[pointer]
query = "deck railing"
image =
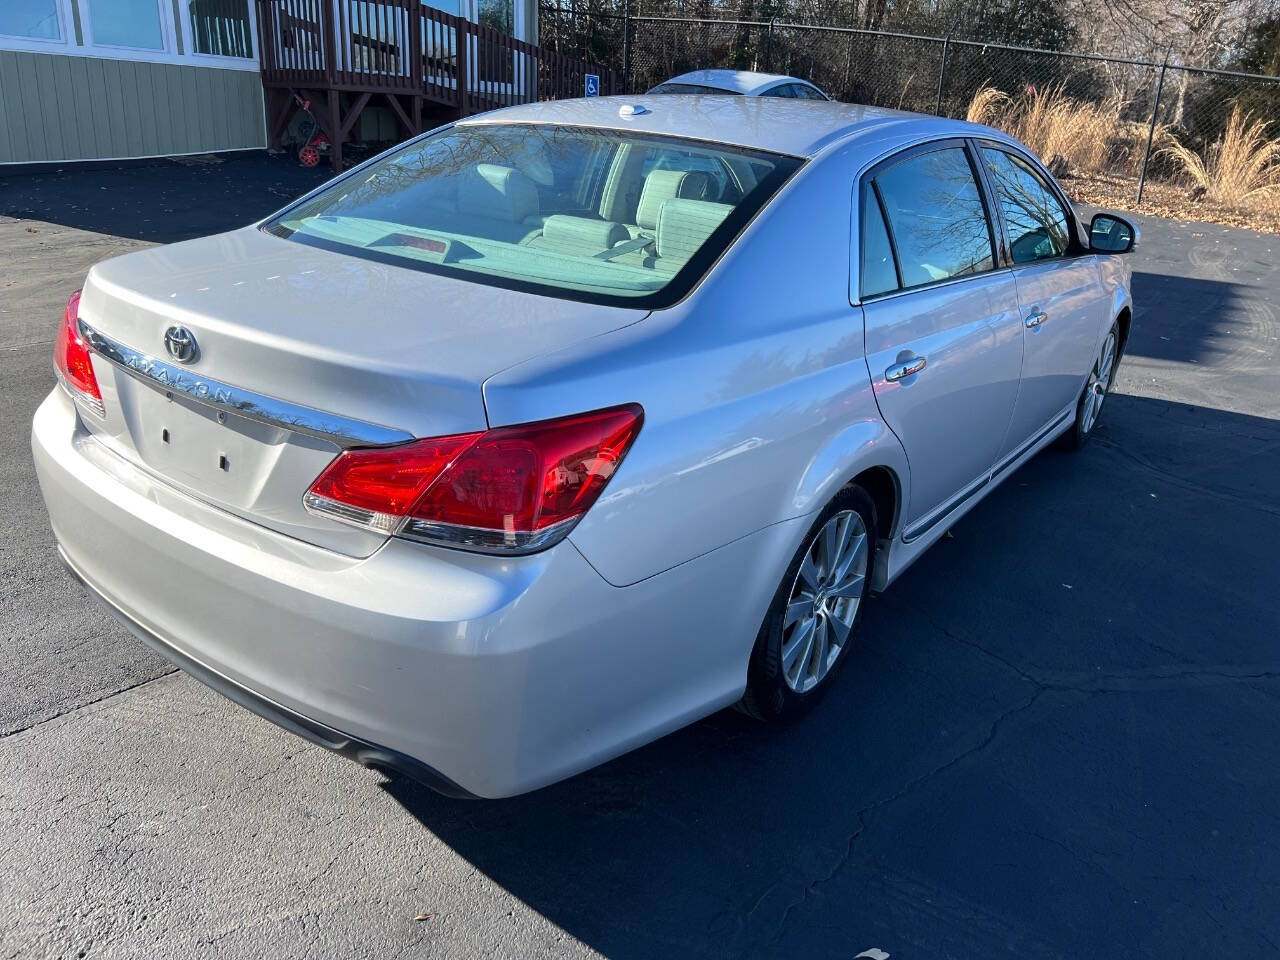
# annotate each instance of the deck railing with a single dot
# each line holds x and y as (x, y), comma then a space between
(406, 46)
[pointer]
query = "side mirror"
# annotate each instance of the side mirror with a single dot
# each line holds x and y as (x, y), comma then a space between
(1111, 234)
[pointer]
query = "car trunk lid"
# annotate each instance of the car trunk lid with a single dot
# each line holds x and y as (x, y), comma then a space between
(297, 353)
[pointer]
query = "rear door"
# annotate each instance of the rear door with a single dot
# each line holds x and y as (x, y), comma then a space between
(943, 333)
(1059, 291)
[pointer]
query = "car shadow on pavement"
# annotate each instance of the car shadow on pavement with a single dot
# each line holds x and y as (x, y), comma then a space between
(160, 201)
(1054, 740)
(1190, 319)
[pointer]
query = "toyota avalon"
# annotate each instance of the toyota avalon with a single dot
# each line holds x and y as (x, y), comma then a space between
(555, 429)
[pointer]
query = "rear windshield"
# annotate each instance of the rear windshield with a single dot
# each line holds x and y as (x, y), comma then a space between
(598, 215)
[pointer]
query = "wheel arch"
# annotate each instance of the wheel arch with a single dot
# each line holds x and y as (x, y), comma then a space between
(884, 487)
(869, 455)
(1124, 320)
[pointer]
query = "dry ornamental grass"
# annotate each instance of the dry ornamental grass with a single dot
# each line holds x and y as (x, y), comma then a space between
(1236, 180)
(1239, 167)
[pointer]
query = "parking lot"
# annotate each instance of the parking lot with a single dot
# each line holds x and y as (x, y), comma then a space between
(1057, 739)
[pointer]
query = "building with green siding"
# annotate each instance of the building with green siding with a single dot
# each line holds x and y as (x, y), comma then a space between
(113, 79)
(117, 79)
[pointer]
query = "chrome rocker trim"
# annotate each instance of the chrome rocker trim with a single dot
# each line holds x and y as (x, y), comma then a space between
(344, 431)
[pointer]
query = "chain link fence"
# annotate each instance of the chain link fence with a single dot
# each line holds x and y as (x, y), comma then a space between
(1114, 129)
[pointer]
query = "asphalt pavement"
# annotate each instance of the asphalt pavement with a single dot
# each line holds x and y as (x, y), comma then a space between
(1058, 737)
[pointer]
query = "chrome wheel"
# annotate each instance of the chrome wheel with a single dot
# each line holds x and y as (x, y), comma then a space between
(1095, 390)
(824, 600)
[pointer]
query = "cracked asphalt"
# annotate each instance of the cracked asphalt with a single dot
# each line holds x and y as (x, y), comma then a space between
(1058, 737)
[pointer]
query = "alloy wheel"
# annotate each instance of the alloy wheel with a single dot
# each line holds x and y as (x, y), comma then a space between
(824, 600)
(1095, 391)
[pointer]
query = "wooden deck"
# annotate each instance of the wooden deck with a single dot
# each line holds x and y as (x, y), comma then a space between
(428, 66)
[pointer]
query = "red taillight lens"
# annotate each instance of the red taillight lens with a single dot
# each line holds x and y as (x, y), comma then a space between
(376, 488)
(512, 489)
(72, 361)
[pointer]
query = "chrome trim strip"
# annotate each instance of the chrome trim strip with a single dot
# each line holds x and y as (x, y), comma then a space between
(344, 431)
(483, 540)
(1013, 457)
(924, 526)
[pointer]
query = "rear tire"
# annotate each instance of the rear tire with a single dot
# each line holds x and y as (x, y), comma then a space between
(815, 615)
(1099, 383)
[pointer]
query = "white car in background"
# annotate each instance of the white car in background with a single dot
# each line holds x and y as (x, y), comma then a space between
(745, 83)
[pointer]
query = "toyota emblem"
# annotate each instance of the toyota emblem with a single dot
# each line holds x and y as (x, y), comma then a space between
(181, 344)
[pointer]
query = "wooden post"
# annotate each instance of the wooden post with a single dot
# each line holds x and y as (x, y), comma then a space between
(326, 40)
(415, 48)
(336, 135)
(463, 78)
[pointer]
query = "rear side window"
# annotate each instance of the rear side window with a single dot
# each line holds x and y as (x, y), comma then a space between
(878, 272)
(936, 218)
(807, 93)
(1036, 222)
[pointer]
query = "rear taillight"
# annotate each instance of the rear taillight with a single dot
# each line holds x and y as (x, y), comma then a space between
(508, 490)
(72, 361)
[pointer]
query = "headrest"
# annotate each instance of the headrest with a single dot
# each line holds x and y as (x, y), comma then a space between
(598, 235)
(499, 193)
(684, 225)
(662, 185)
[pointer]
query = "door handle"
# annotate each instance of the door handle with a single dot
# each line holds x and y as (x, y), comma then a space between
(905, 369)
(1036, 319)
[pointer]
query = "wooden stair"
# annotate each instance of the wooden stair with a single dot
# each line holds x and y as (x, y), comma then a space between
(426, 65)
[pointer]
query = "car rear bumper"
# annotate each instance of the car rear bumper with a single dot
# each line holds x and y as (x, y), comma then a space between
(478, 674)
(353, 748)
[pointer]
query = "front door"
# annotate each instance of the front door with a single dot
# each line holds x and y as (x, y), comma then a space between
(943, 334)
(1059, 294)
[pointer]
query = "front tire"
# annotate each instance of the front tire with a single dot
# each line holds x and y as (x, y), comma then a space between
(1101, 379)
(815, 614)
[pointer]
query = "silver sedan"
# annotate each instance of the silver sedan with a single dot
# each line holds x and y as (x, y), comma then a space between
(746, 83)
(553, 430)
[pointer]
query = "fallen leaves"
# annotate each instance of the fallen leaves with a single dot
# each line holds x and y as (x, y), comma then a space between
(1170, 200)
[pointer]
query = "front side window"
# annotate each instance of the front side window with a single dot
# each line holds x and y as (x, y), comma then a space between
(524, 207)
(126, 23)
(1036, 222)
(34, 19)
(936, 217)
(220, 28)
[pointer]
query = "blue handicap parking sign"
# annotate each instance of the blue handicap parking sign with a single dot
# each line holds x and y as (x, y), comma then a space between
(593, 85)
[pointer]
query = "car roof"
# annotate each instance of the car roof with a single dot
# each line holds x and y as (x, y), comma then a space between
(746, 82)
(800, 128)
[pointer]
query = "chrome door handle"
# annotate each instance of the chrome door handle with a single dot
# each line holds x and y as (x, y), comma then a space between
(905, 369)
(1036, 319)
